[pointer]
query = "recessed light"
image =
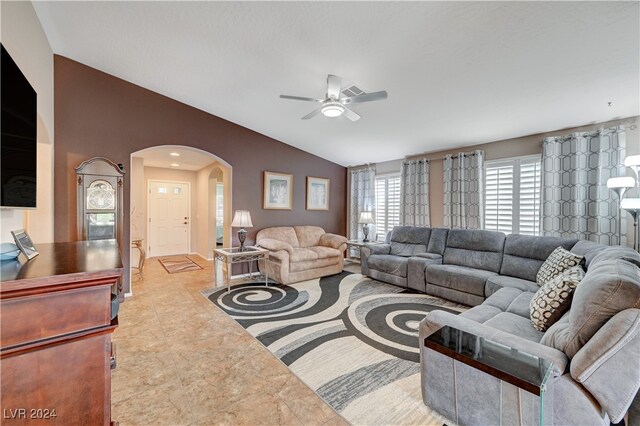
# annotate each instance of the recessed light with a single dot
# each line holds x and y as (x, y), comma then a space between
(175, 154)
(175, 165)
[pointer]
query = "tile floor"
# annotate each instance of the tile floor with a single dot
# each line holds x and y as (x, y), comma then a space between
(182, 361)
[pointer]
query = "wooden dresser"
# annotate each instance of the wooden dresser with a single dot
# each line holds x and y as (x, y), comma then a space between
(55, 341)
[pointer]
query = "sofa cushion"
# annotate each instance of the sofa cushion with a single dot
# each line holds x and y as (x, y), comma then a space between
(615, 253)
(503, 298)
(497, 282)
(516, 325)
(553, 299)
(524, 254)
(389, 264)
(305, 265)
(474, 248)
(461, 278)
(438, 241)
(411, 235)
(281, 233)
(609, 286)
(407, 249)
(301, 254)
(308, 236)
(325, 252)
(588, 249)
(558, 261)
(430, 256)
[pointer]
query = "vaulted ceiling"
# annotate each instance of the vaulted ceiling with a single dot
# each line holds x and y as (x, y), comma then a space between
(457, 73)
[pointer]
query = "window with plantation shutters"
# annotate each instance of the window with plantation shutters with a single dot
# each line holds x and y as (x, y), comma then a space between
(387, 204)
(512, 195)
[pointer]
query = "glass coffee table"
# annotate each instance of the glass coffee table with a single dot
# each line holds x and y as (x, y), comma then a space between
(505, 384)
(227, 257)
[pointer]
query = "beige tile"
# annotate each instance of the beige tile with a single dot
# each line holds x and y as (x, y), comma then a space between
(163, 405)
(181, 360)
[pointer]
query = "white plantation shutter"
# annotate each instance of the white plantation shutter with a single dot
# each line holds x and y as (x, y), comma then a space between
(498, 214)
(530, 197)
(512, 196)
(387, 204)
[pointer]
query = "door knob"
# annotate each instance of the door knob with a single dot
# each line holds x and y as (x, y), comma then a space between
(186, 223)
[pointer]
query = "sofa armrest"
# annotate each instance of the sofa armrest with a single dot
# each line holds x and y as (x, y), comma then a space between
(437, 319)
(370, 249)
(275, 245)
(608, 364)
(334, 241)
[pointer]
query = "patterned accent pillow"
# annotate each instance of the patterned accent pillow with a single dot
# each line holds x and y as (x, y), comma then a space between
(553, 299)
(558, 261)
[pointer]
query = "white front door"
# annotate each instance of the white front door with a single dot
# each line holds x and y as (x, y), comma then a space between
(168, 218)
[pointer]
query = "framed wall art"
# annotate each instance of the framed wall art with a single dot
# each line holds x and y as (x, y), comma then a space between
(317, 193)
(278, 191)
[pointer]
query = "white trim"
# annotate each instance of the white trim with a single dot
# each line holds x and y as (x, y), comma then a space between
(388, 175)
(130, 294)
(149, 181)
(507, 160)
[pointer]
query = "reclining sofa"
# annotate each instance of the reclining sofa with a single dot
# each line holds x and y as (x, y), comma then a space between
(299, 253)
(594, 347)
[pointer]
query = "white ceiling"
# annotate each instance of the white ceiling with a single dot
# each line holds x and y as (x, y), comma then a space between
(188, 159)
(457, 73)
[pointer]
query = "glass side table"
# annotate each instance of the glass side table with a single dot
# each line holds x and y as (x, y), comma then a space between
(492, 383)
(354, 247)
(227, 257)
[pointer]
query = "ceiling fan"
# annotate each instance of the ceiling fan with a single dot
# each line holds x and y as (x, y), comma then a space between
(334, 105)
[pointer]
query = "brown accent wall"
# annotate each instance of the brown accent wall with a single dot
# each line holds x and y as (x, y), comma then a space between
(97, 114)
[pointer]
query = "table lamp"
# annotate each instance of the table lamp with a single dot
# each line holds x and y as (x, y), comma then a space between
(365, 219)
(242, 219)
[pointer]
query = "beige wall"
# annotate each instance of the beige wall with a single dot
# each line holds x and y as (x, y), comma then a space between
(526, 145)
(24, 39)
(156, 173)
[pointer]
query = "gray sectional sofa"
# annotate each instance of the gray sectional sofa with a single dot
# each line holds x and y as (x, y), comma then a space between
(595, 347)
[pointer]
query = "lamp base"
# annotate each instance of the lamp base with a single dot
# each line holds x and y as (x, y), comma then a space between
(242, 236)
(365, 231)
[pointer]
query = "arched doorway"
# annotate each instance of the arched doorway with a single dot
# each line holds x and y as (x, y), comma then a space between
(207, 181)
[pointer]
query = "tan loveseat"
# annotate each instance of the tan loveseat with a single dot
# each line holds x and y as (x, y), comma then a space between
(300, 253)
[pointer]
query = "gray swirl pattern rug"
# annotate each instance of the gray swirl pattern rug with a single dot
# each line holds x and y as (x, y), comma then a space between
(352, 339)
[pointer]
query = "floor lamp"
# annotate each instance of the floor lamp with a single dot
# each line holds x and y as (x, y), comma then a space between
(620, 185)
(632, 205)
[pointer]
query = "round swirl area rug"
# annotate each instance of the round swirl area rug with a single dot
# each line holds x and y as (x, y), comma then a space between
(352, 339)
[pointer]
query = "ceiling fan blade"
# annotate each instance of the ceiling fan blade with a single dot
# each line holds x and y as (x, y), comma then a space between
(301, 98)
(312, 114)
(351, 115)
(333, 86)
(366, 97)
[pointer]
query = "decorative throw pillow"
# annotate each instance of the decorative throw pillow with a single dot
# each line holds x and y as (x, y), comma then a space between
(558, 261)
(553, 299)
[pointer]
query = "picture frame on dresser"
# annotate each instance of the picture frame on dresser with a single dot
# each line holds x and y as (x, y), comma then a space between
(24, 243)
(278, 191)
(318, 193)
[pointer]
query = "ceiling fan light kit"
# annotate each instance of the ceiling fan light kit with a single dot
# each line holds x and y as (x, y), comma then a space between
(332, 109)
(333, 105)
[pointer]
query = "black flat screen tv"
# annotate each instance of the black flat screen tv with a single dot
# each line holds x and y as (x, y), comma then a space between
(18, 137)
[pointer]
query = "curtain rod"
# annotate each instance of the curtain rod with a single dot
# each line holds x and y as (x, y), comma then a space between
(362, 166)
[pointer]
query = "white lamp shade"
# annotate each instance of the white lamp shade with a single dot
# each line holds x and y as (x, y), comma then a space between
(630, 203)
(366, 217)
(632, 160)
(242, 219)
(621, 182)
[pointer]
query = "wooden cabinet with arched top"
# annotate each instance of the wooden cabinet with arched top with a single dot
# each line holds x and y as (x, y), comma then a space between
(100, 206)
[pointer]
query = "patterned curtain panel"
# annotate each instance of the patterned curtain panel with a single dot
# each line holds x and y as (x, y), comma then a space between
(575, 199)
(414, 193)
(463, 190)
(363, 198)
